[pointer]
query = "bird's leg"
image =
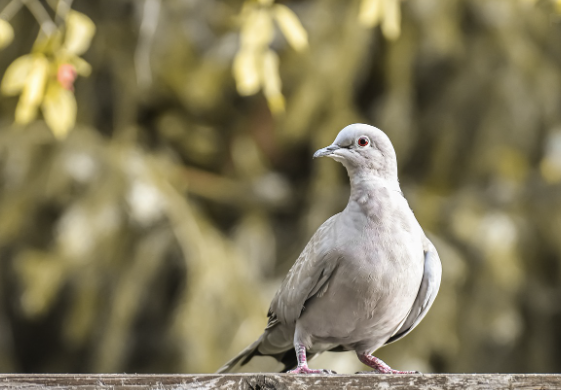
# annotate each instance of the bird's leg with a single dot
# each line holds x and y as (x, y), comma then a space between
(302, 367)
(379, 366)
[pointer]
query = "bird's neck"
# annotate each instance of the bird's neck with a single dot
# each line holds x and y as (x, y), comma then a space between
(372, 198)
(366, 183)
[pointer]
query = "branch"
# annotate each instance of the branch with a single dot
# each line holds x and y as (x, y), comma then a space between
(10, 10)
(41, 15)
(62, 8)
(146, 36)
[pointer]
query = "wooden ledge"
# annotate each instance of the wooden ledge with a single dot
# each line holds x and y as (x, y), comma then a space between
(279, 381)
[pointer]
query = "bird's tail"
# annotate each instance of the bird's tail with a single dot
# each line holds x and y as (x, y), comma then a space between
(252, 359)
(236, 363)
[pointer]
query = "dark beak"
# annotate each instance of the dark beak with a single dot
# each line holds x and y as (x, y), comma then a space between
(327, 151)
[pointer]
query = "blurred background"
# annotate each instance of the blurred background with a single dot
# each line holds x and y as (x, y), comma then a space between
(149, 211)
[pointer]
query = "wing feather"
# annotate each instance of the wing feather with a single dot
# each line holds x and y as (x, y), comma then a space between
(308, 276)
(426, 295)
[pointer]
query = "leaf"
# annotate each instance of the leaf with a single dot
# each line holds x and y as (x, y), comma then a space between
(276, 103)
(246, 72)
(371, 12)
(59, 109)
(16, 75)
(272, 83)
(48, 43)
(270, 71)
(257, 30)
(6, 33)
(551, 172)
(79, 32)
(33, 90)
(25, 112)
(41, 275)
(392, 20)
(34, 87)
(291, 27)
(83, 68)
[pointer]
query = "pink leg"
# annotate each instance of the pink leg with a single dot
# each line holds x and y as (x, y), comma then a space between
(379, 366)
(302, 367)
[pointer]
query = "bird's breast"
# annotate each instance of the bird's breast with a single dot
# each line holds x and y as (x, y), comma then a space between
(382, 268)
(378, 275)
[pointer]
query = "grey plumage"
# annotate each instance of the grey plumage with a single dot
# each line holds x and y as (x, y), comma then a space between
(366, 278)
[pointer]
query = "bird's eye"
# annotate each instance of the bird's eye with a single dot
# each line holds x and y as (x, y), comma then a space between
(363, 141)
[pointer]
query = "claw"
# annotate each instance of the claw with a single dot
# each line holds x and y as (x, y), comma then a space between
(388, 370)
(306, 370)
(391, 371)
(379, 367)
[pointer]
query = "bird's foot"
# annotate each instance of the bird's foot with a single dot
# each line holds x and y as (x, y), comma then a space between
(302, 367)
(391, 371)
(379, 367)
(307, 370)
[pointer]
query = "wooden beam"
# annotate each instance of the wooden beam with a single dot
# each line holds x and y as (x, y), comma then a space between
(279, 382)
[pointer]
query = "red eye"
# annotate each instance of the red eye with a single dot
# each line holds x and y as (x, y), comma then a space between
(363, 141)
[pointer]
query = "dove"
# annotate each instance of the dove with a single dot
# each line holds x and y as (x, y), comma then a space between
(365, 279)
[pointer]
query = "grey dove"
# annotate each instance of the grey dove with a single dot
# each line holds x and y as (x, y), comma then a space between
(365, 279)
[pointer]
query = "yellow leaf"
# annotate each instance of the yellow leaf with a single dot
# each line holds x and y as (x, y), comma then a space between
(6, 33)
(59, 109)
(82, 67)
(391, 26)
(276, 103)
(41, 275)
(550, 171)
(16, 75)
(291, 27)
(270, 71)
(271, 82)
(257, 30)
(25, 112)
(34, 87)
(48, 43)
(246, 72)
(371, 12)
(79, 32)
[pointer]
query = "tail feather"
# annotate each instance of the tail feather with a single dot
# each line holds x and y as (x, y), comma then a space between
(236, 363)
(251, 359)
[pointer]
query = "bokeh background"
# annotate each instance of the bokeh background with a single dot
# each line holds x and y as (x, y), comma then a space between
(152, 237)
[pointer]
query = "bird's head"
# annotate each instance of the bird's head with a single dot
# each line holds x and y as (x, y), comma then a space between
(363, 150)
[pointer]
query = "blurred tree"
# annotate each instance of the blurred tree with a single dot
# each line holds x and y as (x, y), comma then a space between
(151, 236)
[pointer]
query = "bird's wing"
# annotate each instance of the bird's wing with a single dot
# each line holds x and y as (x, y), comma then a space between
(309, 276)
(426, 295)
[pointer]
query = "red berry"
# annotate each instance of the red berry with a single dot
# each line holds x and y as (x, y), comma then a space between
(66, 75)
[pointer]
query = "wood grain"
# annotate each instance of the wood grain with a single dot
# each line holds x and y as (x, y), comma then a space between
(279, 381)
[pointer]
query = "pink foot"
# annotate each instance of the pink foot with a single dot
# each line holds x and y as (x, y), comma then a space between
(302, 367)
(379, 366)
(306, 370)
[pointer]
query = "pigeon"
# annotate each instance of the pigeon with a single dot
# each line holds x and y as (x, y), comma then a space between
(365, 279)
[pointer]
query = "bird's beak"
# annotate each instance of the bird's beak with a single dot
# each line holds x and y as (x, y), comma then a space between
(327, 151)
